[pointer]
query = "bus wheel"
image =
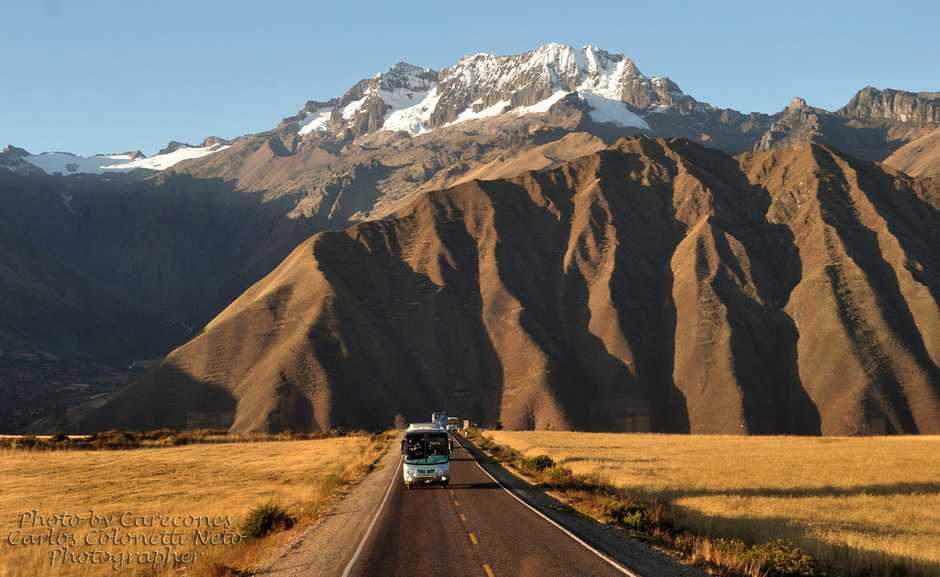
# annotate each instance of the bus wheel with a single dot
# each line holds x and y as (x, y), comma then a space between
(444, 485)
(408, 485)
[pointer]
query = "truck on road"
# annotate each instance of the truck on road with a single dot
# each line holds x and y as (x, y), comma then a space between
(453, 424)
(426, 448)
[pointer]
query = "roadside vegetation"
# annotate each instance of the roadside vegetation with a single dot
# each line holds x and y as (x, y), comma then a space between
(264, 489)
(754, 506)
(122, 440)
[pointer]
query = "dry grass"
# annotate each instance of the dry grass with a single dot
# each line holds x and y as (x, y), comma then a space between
(869, 505)
(214, 480)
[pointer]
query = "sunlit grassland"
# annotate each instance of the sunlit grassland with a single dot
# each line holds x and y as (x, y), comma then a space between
(194, 480)
(863, 504)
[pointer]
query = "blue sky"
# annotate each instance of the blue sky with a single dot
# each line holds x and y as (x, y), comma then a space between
(109, 76)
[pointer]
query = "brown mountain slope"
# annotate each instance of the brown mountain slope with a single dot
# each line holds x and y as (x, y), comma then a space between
(918, 158)
(190, 240)
(866, 305)
(655, 285)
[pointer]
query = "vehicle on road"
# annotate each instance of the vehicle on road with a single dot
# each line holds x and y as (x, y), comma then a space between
(439, 417)
(453, 424)
(426, 448)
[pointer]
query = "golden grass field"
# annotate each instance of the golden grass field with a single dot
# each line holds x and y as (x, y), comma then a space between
(867, 503)
(198, 480)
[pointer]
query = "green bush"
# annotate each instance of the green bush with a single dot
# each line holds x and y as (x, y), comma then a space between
(123, 440)
(537, 464)
(626, 513)
(265, 519)
(775, 559)
(59, 437)
(487, 445)
(112, 440)
(782, 558)
(159, 434)
(181, 438)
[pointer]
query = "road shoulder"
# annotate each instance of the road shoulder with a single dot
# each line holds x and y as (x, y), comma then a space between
(325, 547)
(612, 541)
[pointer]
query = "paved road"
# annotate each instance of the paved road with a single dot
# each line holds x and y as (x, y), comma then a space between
(472, 528)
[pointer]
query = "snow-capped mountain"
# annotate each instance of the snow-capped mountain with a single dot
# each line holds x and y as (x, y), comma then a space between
(418, 100)
(22, 162)
(415, 100)
(576, 89)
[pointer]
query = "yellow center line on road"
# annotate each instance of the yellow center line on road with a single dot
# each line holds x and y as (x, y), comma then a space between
(462, 518)
(451, 491)
(456, 504)
(473, 539)
(489, 572)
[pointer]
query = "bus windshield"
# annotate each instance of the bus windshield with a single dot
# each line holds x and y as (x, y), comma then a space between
(426, 449)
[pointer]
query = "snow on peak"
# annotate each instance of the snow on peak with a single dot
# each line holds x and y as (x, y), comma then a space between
(67, 163)
(552, 71)
(409, 111)
(317, 120)
(417, 100)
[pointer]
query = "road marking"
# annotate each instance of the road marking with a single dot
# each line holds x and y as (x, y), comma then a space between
(374, 519)
(613, 563)
(473, 539)
(451, 491)
(462, 518)
(489, 572)
(456, 504)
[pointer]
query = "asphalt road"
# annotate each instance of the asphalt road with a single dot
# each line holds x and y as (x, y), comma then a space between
(474, 528)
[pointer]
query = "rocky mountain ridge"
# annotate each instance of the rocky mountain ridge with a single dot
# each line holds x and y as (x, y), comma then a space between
(874, 125)
(586, 89)
(896, 105)
(608, 88)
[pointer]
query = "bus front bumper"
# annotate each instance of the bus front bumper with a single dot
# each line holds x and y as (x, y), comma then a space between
(421, 476)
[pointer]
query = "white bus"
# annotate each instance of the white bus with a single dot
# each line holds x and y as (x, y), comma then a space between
(427, 455)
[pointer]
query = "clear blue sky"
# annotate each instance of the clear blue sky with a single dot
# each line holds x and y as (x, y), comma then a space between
(113, 75)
